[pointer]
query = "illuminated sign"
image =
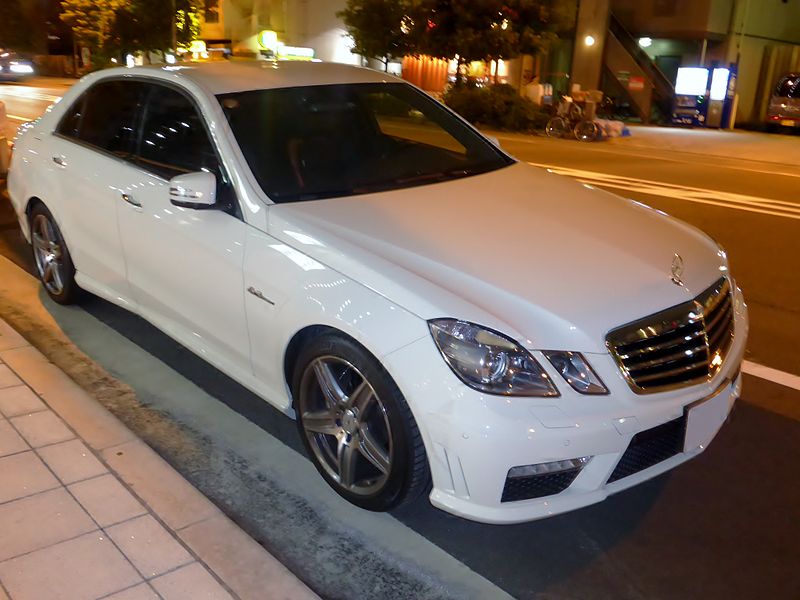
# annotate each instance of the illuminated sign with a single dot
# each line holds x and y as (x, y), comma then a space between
(268, 40)
(691, 81)
(719, 84)
(197, 46)
(295, 52)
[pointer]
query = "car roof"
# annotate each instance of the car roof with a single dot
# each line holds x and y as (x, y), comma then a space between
(220, 77)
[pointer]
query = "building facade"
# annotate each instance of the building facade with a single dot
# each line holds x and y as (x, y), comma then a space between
(299, 23)
(760, 37)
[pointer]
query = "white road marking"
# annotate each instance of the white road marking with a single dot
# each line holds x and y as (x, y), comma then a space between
(765, 206)
(18, 118)
(28, 94)
(774, 375)
(637, 150)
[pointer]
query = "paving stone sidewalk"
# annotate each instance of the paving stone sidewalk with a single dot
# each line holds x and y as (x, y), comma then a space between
(88, 511)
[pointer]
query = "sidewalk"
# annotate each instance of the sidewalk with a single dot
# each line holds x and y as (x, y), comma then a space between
(778, 149)
(88, 511)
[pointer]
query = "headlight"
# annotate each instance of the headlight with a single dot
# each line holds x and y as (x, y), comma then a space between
(575, 370)
(488, 361)
(20, 68)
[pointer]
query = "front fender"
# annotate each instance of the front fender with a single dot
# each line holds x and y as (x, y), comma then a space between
(288, 291)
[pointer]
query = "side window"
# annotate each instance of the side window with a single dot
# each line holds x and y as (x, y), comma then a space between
(71, 120)
(174, 138)
(106, 116)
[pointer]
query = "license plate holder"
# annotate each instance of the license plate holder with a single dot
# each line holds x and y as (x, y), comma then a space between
(788, 123)
(704, 418)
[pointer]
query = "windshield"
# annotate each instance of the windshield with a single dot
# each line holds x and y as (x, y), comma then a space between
(788, 87)
(308, 143)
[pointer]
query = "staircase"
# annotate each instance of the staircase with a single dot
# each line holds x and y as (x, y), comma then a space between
(630, 66)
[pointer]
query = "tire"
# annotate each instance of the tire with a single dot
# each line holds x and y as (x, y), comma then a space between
(359, 432)
(557, 127)
(586, 131)
(52, 258)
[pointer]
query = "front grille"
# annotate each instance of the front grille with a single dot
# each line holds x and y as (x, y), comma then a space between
(650, 447)
(680, 346)
(537, 486)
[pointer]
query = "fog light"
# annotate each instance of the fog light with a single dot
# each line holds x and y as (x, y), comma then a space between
(547, 468)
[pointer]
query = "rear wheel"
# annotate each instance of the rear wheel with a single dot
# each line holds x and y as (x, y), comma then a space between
(586, 131)
(557, 127)
(51, 256)
(356, 425)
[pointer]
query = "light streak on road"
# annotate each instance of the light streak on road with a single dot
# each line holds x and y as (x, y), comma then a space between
(28, 93)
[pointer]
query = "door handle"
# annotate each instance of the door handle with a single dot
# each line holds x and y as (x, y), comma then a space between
(60, 161)
(131, 200)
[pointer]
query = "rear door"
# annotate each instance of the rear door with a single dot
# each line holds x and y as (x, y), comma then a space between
(91, 153)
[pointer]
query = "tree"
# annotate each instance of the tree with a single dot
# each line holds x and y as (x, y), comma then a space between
(90, 20)
(490, 30)
(381, 29)
(147, 25)
(16, 31)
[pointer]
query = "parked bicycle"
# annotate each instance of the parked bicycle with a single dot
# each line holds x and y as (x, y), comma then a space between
(570, 121)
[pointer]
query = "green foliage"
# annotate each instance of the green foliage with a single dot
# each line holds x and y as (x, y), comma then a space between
(147, 25)
(116, 27)
(474, 30)
(490, 29)
(380, 28)
(496, 106)
(90, 20)
(16, 31)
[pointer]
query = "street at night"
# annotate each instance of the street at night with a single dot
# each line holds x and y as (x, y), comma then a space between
(724, 525)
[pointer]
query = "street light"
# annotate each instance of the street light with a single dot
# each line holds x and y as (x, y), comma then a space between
(589, 40)
(645, 42)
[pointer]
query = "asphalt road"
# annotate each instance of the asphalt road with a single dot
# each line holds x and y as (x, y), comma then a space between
(724, 525)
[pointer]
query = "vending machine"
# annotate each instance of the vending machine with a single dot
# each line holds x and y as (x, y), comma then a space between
(691, 97)
(720, 96)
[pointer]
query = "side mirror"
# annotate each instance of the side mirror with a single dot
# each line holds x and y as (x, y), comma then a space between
(194, 190)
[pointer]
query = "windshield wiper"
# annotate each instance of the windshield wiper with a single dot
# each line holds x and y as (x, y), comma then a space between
(439, 175)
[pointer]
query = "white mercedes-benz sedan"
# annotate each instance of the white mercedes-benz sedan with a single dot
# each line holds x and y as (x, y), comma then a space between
(438, 317)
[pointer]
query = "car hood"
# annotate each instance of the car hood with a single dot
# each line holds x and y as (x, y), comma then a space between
(552, 262)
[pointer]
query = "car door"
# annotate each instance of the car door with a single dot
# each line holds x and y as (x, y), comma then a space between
(185, 265)
(91, 154)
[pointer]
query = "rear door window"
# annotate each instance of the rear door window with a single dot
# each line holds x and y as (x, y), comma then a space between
(106, 116)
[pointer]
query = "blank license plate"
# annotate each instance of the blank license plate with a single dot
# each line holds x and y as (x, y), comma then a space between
(788, 123)
(704, 420)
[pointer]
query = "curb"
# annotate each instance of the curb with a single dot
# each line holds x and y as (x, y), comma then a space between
(237, 561)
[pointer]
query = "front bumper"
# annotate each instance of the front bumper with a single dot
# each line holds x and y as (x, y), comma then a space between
(473, 439)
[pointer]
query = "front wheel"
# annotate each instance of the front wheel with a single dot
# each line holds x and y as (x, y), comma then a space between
(356, 425)
(52, 258)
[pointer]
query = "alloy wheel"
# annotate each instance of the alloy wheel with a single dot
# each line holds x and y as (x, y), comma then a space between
(346, 425)
(48, 254)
